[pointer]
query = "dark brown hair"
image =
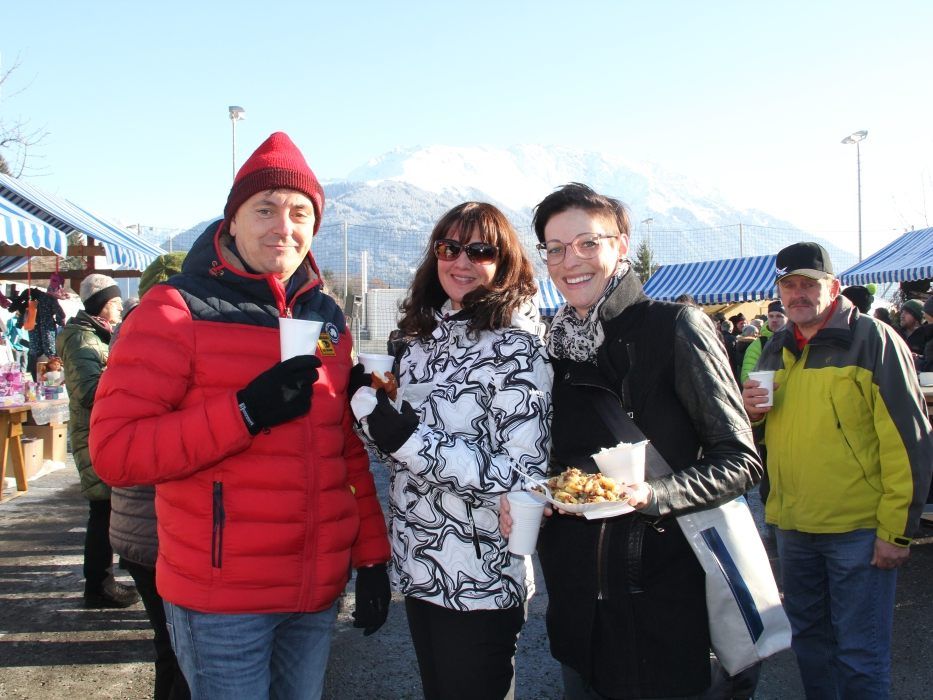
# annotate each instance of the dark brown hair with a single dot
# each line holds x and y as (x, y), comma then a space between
(578, 196)
(490, 307)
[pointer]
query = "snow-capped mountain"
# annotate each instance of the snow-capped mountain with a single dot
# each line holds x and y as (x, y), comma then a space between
(521, 176)
(389, 205)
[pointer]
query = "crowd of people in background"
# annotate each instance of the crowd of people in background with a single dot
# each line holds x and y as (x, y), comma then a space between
(912, 320)
(259, 471)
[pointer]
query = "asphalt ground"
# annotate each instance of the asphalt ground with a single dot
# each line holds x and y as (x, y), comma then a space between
(51, 648)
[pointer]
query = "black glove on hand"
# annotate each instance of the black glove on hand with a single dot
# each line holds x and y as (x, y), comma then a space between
(372, 598)
(359, 378)
(279, 394)
(388, 428)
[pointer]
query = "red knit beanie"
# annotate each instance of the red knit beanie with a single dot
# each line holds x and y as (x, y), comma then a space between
(277, 163)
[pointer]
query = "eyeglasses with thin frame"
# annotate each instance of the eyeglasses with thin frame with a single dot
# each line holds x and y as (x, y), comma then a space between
(449, 250)
(584, 245)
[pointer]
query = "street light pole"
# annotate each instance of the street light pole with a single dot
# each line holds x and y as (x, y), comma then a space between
(857, 137)
(647, 222)
(236, 114)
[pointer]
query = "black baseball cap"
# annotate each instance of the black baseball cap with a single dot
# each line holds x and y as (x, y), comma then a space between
(807, 259)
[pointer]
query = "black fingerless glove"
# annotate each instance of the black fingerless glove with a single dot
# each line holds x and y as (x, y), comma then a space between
(359, 378)
(389, 428)
(279, 394)
(372, 598)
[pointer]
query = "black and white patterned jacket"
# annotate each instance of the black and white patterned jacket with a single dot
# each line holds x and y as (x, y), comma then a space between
(488, 408)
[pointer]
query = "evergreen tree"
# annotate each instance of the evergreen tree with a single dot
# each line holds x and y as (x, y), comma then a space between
(644, 261)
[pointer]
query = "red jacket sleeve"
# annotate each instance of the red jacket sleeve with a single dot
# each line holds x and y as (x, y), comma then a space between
(147, 426)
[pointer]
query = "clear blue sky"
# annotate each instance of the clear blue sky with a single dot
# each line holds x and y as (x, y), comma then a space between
(752, 98)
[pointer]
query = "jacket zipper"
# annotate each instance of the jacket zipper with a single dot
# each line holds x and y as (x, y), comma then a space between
(474, 535)
(602, 583)
(217, 534)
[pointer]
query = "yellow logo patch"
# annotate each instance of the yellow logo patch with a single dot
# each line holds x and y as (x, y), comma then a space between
(325, 346)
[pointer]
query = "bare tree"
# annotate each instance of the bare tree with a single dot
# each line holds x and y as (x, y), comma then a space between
(16, 135)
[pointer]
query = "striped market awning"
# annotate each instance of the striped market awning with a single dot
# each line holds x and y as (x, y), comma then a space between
(905, 259)
(122, 248)
(548, 299)
(716, 281)
(19, 227)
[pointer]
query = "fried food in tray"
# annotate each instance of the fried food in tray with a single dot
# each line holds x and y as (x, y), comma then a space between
(574, 486)
(385, 381)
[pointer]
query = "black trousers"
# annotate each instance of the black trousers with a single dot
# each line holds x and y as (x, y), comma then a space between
(170, 683)
(98, 554)
(465, 655)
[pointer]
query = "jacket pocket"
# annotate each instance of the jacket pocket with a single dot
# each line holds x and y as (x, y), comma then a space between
(856, 428)
(217, 532)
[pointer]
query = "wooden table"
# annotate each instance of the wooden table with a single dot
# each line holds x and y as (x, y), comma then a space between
(11, 433)
(928, 395)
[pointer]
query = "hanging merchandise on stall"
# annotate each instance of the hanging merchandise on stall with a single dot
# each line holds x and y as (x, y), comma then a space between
(42, 315)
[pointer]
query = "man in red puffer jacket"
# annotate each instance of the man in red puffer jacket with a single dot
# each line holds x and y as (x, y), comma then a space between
(263, 492)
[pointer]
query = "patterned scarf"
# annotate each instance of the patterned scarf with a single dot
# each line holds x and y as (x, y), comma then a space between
(576, 338)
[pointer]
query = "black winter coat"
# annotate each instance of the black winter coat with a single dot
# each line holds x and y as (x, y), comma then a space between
(627, 607)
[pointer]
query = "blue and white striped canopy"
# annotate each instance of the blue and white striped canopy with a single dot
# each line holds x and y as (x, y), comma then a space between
(548, 298)
(19, 227)
(908, 258)
(122, 248)
(716, 281)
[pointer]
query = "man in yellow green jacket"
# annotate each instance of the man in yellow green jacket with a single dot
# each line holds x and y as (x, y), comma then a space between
(850, 455)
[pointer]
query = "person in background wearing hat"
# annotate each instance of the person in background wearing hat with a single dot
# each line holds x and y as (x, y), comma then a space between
(849, 456)
(861, 297)
(748, 337)
(926, 359)
(82, 346)
(133, 526)
(264, 496)
(915, 332)
(777, 319)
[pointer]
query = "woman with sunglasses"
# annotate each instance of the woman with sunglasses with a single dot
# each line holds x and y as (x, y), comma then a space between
(451, 457)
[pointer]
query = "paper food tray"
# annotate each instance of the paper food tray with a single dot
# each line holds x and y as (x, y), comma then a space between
(590, 511)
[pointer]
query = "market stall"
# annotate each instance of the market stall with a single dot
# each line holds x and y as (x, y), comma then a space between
(906, 259)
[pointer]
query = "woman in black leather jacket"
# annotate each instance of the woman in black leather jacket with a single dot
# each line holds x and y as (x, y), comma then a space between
(627, 609)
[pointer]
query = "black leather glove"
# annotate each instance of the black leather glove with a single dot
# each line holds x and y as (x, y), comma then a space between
(389, 428)
(372, 598)
(359, 378)
(279, 394)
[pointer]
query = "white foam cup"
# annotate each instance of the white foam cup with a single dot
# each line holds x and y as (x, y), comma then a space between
(624, 463)
(765, 379)
(298, 337)
(526, 510)
(376, 362)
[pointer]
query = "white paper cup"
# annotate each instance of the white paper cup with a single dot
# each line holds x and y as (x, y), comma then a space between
(765, 379)
(376, 362)
(298, 337)
(526, 511)
(624, 463)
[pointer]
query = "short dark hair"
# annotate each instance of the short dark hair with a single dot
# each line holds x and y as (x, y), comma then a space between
(576, 195)
(686, 299)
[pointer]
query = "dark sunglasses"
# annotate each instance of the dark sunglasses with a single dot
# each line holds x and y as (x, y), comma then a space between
(477, 252)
